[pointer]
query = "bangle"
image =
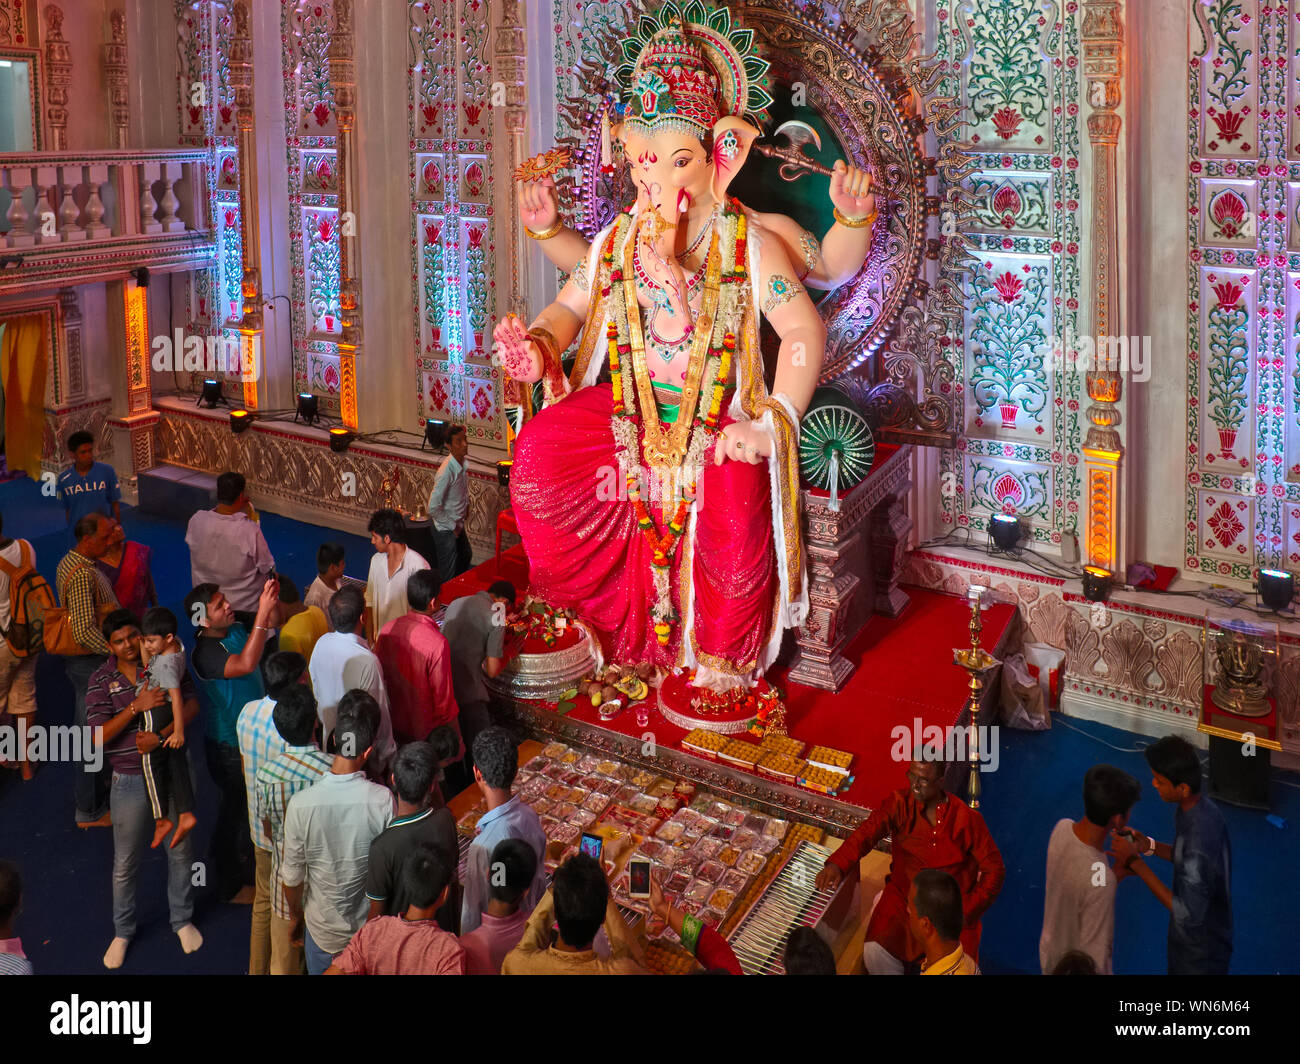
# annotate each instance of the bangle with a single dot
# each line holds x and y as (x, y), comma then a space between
(1151, 846)
(855, 223)
(546, 234)
(261, 628)
(543, 339)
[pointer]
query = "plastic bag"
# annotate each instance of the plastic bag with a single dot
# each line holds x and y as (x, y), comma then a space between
(1022, 697)
(1047, 663)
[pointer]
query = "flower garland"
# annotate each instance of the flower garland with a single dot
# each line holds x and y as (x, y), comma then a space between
(627, 422)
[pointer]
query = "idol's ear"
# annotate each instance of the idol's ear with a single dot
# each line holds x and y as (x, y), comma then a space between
(732, 139)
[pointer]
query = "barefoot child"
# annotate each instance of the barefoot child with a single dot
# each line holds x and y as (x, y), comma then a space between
(166, 770)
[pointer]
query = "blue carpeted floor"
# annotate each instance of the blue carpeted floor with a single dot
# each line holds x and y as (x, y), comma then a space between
(66, 922)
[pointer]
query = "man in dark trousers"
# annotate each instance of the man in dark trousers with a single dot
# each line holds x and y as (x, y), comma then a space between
(1200, 903)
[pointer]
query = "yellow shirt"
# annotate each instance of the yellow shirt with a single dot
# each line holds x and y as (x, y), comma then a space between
(536, 956)
(301, 631)
(956, 963)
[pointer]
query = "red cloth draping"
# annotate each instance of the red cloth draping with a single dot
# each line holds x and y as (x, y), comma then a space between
(586, 552)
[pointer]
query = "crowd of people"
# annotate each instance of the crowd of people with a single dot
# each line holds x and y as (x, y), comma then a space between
(337, 724)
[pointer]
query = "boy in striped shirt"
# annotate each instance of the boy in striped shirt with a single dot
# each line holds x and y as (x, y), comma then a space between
(278, 780)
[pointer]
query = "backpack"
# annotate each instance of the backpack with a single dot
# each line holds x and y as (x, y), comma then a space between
(30, 599)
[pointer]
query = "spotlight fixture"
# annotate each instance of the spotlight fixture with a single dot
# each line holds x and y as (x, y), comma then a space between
(503, 471)
(141, 275)
(1096, 583)
(1276, 588)
(435, 433)
(240, 420)
(308, 408)
(1004, 530)
(211, 395)
(340, 440)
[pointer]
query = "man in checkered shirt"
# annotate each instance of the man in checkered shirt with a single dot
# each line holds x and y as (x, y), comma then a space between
(278, 780)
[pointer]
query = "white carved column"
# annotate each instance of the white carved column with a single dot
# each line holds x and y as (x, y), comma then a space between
(58, 74)
(250, 327)
(115, 75)
(1103, 447)
(343, 80)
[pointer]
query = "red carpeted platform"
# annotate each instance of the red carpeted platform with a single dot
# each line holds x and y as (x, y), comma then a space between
(904, 672)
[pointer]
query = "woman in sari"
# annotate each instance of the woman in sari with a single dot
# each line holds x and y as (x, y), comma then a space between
(127, 567)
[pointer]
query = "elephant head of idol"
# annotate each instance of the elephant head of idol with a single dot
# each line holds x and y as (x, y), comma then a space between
(687, 93)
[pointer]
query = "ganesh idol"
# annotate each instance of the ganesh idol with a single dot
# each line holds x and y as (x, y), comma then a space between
(694, 560)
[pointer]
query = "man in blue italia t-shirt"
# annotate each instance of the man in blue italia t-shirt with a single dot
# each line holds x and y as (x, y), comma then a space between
(88, 486)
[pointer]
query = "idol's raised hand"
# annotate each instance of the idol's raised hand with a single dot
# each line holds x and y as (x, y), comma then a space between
(851, 191)
(517, 355)
(539, 204)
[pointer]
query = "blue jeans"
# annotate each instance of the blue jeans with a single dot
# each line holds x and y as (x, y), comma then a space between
(91, 786)
(317, 959)
(133, 827)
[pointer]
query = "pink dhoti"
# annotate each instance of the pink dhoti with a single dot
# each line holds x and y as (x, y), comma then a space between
(586, 551)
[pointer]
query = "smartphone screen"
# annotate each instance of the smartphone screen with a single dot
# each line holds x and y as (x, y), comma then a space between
(639, 878)
(591, 845)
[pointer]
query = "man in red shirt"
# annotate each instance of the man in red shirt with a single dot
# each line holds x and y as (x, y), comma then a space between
(928, 828)
(412, 943)
(416, 661)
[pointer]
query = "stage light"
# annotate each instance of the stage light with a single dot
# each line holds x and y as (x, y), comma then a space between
(141, 275)
(211, 394)
(340, 440)
(240, 420)
(503, 471)
(1276, 588)
(308, 407)
(1096, 583)
(1005, 530)
(435, 433)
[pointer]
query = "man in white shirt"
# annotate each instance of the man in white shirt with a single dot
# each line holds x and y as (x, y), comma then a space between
(227, 547)
(390, 568)
(328, 829)
(1079, 912)
(448, 505)
(342, 661)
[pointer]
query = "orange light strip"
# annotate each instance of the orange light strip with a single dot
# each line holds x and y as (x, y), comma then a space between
(348, 390)
(135, 302)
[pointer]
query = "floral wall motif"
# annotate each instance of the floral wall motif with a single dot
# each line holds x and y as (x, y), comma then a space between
(453, 245)
(1243, 442)
(311, 122)
(1016, 64)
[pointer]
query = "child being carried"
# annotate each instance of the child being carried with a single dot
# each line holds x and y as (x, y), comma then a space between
(166, 768)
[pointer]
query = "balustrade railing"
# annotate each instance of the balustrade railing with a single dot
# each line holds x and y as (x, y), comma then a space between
(59, 204)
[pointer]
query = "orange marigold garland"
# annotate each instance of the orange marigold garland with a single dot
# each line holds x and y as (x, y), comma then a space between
(627, 418)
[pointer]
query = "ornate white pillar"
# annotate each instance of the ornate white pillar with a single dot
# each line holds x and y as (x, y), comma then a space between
(250, 327)
(115, 74)
(58, 67)
(343, 80)
(1103, 447)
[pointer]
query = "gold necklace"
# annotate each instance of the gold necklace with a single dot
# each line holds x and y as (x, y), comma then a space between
(662, 449)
